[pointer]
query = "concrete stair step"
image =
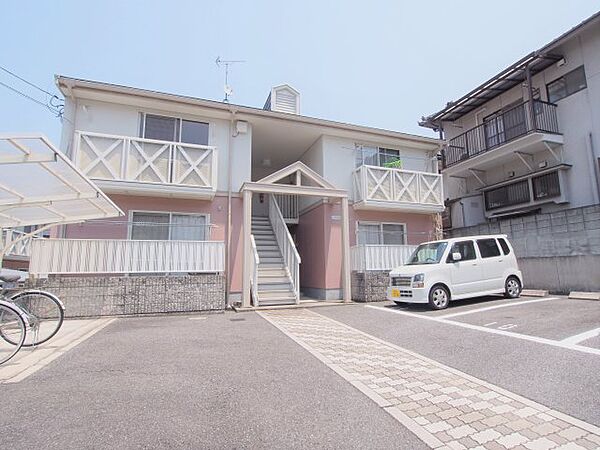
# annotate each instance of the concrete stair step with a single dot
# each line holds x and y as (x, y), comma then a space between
(272, 272)
(276, 293)
(277, 302)
(267, 247)
(271, 265)
(269, 253)
(269, 287)
(266, 232)
(273, 278)
(264, 236)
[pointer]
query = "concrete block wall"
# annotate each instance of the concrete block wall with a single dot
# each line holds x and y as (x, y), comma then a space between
(558, 251)
(101, 295)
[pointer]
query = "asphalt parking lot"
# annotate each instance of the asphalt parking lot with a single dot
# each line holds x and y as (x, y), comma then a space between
(234, 380)
(567, 321)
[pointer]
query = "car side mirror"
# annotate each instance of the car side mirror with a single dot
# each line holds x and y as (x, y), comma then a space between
(456, 256)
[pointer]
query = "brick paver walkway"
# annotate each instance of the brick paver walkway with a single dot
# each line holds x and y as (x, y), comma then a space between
(444, 407)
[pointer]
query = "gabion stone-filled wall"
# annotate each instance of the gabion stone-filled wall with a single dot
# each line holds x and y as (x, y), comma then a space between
(370, 286)
(89, 296)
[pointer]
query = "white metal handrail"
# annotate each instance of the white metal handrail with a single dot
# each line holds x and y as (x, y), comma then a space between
(290, 254)
(379, 257)
(254, 271)
(288, 205)
(127, 158)
(80, 256)
(388, 184)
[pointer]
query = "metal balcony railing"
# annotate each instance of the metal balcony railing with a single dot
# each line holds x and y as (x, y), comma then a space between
(505, 127)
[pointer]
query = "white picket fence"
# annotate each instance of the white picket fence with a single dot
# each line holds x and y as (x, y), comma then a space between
(81, 256)
(379, 257)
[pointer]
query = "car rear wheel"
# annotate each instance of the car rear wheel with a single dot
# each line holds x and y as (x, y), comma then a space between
(512, 287)
(439, 297)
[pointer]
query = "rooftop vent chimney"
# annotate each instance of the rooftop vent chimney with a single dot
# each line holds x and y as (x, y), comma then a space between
(283, 98)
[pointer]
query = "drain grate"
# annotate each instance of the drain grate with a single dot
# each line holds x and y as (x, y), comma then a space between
(240, 319)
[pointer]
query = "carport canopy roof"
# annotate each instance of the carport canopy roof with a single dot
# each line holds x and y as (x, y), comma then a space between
(40, 186)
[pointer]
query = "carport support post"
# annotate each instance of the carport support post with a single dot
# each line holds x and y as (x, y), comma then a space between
(346, 250)
(247, 248)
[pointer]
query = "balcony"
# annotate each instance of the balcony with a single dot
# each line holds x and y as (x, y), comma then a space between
(137, 166)
(529, 191)
(383, 188)
(512, 131)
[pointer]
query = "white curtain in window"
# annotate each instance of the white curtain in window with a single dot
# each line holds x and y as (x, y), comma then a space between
(150, 226)
(393, 234)
(185, 227)
(368, 234)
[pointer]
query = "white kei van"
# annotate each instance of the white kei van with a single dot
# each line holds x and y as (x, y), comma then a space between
(457, 268)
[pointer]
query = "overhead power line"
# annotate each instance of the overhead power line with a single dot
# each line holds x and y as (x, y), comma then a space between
(50, 104)
(27, 82)
(16, 91)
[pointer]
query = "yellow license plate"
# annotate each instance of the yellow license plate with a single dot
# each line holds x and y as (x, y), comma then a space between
(395, 292)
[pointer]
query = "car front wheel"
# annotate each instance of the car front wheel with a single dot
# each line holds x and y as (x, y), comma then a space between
(439, 297)
(512, 287)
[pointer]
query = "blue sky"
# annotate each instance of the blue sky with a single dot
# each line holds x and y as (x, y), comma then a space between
(377, 63)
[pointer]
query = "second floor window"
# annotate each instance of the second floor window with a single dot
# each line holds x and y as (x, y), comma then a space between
(173, 129)
(377, 156)
(566, 85)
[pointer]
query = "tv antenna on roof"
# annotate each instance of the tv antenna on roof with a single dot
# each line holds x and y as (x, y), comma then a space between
(228, 90)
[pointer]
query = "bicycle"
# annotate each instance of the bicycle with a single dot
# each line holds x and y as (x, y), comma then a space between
(14, 324)
(42, 314)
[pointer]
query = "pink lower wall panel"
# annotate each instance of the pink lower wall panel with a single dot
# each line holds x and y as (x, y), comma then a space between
(319, 240)
(117, 228)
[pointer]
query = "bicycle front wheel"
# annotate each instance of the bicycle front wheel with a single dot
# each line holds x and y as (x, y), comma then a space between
(45, 314)
(13, 332)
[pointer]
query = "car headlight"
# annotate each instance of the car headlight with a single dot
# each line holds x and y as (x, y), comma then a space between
(419, 280)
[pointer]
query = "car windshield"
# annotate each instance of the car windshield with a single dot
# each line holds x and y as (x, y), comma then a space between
(427, 254)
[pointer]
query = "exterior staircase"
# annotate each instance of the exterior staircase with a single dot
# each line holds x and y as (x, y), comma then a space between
(274, 283)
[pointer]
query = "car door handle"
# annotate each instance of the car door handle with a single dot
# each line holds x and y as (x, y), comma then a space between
(500, 260)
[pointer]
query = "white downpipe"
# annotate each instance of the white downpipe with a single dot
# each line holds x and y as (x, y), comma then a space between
(254, 271)
(286, 245)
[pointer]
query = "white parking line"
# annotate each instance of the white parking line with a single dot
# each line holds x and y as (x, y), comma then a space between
(489, 308)
(582, 336)
(525, 337)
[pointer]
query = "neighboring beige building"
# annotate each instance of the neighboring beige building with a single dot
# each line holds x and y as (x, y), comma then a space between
(528, 139)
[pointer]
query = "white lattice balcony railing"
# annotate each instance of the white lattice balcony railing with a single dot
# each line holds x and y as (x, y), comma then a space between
(146, 164)
(404, 190)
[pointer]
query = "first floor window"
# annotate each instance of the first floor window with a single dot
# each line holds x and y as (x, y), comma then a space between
(546, 186)
(159, 226)
(374, 233)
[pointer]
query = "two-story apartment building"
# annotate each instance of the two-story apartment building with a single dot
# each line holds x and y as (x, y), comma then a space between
(523, 150)
(297, 202)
